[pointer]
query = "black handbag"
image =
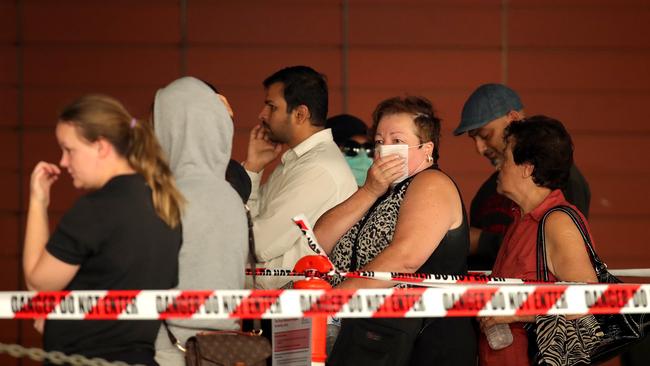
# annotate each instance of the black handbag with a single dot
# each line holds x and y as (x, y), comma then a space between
(377, 342)
(608, 334)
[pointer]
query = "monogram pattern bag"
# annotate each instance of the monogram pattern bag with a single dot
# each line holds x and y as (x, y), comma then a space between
(227, 348)
(588, 339)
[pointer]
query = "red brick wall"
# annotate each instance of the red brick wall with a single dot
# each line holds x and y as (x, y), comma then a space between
(582, 61)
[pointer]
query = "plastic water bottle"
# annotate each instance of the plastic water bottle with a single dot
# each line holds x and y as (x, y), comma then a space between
(499, 336)
(333, 328)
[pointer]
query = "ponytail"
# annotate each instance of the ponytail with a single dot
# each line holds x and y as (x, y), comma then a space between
(146, 157)
(99, 116)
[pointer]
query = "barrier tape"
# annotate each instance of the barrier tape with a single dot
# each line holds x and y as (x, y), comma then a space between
(303, 224)
(459, 300)
(418, 279)
(421, 279)
(627, 272)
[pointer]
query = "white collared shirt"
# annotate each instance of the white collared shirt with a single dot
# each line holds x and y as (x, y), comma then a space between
(311, 178)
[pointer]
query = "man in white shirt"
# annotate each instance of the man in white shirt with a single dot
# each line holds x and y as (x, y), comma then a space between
(312, 176)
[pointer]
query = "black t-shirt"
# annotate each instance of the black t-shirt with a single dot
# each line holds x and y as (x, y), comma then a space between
(120, 243)
(493, 213)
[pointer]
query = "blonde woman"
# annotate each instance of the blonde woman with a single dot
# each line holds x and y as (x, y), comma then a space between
(123, 234)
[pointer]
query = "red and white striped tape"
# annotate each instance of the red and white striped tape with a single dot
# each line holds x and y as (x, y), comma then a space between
(459, 300)
(303, 224)
(421, 279)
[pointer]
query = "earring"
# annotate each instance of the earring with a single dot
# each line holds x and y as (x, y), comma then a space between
(429, 158)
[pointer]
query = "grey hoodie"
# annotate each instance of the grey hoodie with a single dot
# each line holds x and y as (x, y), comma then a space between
(195, 132)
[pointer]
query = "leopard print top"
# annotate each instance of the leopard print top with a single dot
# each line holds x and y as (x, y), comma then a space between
(374, 232)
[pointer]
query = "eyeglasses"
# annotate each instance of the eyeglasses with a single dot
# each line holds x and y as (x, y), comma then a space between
(353, 148)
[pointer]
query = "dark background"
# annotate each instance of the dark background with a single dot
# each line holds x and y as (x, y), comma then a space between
(585, 62)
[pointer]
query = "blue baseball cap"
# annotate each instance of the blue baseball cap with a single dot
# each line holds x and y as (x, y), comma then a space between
(487, 103)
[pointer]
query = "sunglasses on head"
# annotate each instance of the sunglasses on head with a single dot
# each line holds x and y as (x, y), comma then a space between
(353, 148)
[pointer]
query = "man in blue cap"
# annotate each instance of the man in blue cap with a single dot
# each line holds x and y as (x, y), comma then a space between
(486, 114)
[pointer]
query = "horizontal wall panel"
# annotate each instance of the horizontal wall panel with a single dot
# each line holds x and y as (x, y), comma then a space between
(115, 21)
(598, 154)
(282, 23)
(620, 241)
(8, 65)
(8, 106)
(40, 145)
(425, 23)
(30, 338)
(8, 360)
(9, 184)
(422, 68)
(9, 243)
(579, 24)
(620, 194)
(9, 150)
(8, 17)
(100, 66)
(577, 70)
(9, 268)
(589, 112)
(43, 104)
(8, 333)
(399, 5)
(250, 66)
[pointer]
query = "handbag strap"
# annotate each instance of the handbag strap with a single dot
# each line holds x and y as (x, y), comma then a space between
(172, 338)
(257, 324)
(251, 244)
(354, 257)
(542, 265)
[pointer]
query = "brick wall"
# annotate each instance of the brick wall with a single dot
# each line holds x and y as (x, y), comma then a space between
(583, 62)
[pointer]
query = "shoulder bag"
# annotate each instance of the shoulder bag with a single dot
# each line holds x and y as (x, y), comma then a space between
(589, 339)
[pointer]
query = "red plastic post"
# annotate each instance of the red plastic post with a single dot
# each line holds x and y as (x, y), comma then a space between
(315, 265)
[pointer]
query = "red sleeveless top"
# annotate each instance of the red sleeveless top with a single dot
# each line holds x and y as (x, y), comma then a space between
(517, 259)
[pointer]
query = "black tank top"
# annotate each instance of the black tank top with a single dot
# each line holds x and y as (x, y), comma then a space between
(450, 257)
(374, 232)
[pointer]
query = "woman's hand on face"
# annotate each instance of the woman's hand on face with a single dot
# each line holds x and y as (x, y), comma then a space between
(383, 171)
(43, 176)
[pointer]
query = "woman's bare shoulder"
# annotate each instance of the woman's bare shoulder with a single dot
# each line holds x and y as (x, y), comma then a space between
(432, 179)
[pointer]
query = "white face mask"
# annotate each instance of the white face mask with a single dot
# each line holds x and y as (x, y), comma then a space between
(397, 149)
(401, 150)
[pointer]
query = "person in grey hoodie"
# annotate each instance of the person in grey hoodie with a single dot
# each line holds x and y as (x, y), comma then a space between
(195, 131)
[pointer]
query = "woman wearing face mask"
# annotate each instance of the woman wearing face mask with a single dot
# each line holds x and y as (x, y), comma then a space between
(351, 135)
(397, 222)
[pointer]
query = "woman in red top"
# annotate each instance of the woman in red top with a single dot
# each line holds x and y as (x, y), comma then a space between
(536, 164)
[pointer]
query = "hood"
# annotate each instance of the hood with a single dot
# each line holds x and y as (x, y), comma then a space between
(194, 128)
